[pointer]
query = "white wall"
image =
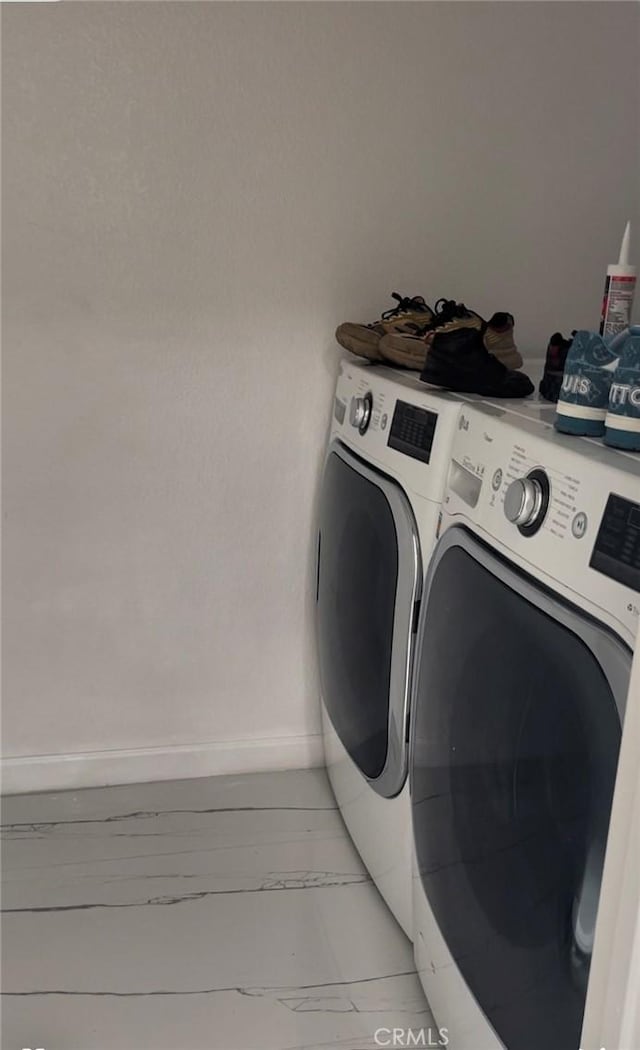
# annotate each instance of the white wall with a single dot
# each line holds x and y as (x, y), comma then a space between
(194, 196)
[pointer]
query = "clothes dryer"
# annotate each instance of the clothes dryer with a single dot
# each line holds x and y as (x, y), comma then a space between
(382, 487)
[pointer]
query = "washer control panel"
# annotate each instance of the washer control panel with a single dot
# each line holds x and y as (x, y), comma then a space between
(396, 424)
(567, 509)
(617, 548)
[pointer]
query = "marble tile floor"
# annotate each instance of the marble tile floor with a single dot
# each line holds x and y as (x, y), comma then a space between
(226, 913)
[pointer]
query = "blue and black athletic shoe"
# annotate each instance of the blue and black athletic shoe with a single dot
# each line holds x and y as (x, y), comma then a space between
(588, 373)
(622, 422)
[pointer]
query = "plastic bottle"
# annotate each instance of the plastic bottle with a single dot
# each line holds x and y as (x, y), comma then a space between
(619, 289)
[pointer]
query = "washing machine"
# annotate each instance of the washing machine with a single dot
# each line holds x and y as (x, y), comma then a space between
(382, 486)
(523, 657)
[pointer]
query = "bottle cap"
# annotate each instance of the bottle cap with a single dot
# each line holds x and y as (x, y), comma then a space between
(624, 246)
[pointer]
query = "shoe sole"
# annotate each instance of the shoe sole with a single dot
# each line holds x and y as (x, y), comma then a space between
(579, 427)
(580, 419)
(403, 352)
(359, 340)
(622, 439)
(622, 433)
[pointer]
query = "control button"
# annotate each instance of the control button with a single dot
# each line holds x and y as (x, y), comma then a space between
(579, 525)
(360, 411)
(384, 421)
(496, 481)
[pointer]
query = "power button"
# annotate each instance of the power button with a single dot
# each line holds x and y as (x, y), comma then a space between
(579, 525)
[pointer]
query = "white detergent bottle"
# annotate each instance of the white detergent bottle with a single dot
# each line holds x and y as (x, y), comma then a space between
(619, 289)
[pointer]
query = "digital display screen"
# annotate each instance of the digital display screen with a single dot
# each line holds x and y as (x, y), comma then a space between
(616, 552)
(412, 431)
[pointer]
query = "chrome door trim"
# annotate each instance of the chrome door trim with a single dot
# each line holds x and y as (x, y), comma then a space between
(408, 593)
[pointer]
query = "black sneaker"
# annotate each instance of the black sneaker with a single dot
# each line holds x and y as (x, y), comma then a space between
(551, 381)
(458, 360)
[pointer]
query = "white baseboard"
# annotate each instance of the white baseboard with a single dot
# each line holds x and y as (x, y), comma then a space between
(139, 765)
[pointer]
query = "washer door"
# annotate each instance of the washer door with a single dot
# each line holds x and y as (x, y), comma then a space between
(369, 584)
(517, 717)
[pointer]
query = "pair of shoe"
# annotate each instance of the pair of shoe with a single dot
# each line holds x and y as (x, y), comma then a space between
(404, 333)
(451, 346)
(410, 314)
(600, 393)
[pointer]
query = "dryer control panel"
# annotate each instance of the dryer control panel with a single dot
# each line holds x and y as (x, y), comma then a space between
(397, 424)
(412, 430)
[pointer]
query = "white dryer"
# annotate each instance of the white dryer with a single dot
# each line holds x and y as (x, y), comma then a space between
(526, 636)
(380, 500)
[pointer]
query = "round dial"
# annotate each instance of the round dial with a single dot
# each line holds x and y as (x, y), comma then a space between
(360, 411)
(526, 501)
(522, 501)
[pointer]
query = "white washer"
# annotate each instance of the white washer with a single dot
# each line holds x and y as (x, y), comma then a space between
(383, 481)
(523, 658)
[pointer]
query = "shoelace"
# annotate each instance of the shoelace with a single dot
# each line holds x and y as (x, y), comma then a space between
(406, 304)
(449, 310)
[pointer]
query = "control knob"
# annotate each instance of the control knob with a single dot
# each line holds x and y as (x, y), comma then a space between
(526, 501)
(360, 411)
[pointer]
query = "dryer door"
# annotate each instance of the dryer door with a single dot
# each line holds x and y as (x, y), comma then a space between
(517, 716)
(369, 581)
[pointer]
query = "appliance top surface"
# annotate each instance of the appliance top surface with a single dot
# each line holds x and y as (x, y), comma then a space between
(402, 382)
(534, 407)
(407, 384)
(536, 417)
(532, 366)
